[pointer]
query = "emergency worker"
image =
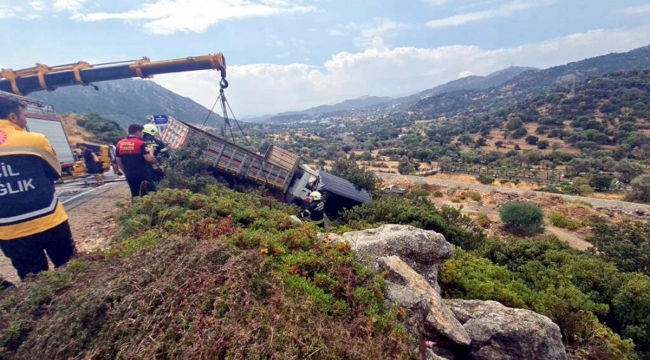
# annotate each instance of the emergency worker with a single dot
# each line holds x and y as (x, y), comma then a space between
(160, 150)
(33, 223)
(315, 210)
(112, 153)
(134, 159)
(93, 165)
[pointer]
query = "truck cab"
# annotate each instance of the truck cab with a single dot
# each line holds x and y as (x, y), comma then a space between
(339, 194)
(301, 184)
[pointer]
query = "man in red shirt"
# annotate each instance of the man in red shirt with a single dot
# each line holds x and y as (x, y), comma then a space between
(133, 159)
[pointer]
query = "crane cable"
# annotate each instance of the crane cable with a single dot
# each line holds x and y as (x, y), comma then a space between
(225, 106)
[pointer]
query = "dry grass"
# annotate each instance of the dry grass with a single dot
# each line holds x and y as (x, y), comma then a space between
(618, 196)
(469, 179)
(76, 133)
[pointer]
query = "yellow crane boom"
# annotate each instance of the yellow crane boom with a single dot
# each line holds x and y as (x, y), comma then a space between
(43, 77)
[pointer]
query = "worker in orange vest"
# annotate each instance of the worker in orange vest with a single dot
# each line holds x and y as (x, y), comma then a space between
(33, 222)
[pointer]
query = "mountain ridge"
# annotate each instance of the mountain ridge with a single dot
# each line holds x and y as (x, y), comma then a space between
(469, 82)
(464, 96)
(348, 104)
(123, 102)
(528, 84)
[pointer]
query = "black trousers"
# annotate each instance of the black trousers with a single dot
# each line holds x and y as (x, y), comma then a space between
(140, 187)
(28, 254)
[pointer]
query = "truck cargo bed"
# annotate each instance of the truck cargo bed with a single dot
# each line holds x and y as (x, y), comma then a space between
(233, 159)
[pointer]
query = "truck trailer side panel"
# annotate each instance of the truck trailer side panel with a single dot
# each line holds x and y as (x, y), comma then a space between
(230, 158)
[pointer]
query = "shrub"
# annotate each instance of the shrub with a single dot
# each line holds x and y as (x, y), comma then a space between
(524, 218)
(559, 220)
(191, 285)
(437, 193)
(475, 196)
(349, 170)
(483, 220)
(626, 244)
(457, 228)
(531, 139)
(601, 181)
(519, 133)
(536, 286)
(485, 179)
(640, 191)
(544, 265)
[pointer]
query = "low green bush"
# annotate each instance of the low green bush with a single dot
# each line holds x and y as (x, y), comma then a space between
(522, 218)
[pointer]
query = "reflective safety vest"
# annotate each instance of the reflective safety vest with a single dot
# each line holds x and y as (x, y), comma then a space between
(160, 149)
(28, 168)
(315, 211)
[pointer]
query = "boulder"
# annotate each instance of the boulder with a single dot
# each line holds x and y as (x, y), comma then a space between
(415, 305)
(503, 333)
(423, 250)
(411, 291)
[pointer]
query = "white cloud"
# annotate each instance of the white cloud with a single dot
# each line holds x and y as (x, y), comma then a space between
(8, 11)
(435, 2)
(38, 5)
(70, 5)
(475, 5)
(635, 10)
(171, 16)
(374, 34)
(258, 89)
(503, 10)
(464, 74)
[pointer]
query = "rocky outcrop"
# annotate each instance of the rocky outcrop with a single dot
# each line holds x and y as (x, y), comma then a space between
(483, 330)
(503, 333)
(438, 316)
(423, 250)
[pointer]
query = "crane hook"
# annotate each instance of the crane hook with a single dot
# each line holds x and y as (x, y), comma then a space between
(223, 83)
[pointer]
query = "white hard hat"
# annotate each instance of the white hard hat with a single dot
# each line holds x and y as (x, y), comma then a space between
(315, 195)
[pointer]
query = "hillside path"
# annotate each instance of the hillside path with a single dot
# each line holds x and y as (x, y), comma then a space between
(596, 203)
(568, 237)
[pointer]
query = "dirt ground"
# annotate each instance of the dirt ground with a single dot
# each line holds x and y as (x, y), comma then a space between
(490, 201)
(92, 225)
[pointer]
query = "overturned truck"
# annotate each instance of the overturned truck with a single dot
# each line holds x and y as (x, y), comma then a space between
(278, 170)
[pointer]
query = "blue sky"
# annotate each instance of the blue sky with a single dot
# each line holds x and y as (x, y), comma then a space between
(293, 54)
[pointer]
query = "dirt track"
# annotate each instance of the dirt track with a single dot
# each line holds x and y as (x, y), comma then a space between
(627, 207)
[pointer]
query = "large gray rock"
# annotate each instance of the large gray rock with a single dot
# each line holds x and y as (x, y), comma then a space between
(415, 305)
(423, 250)
(503, 333)
(413, 292)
